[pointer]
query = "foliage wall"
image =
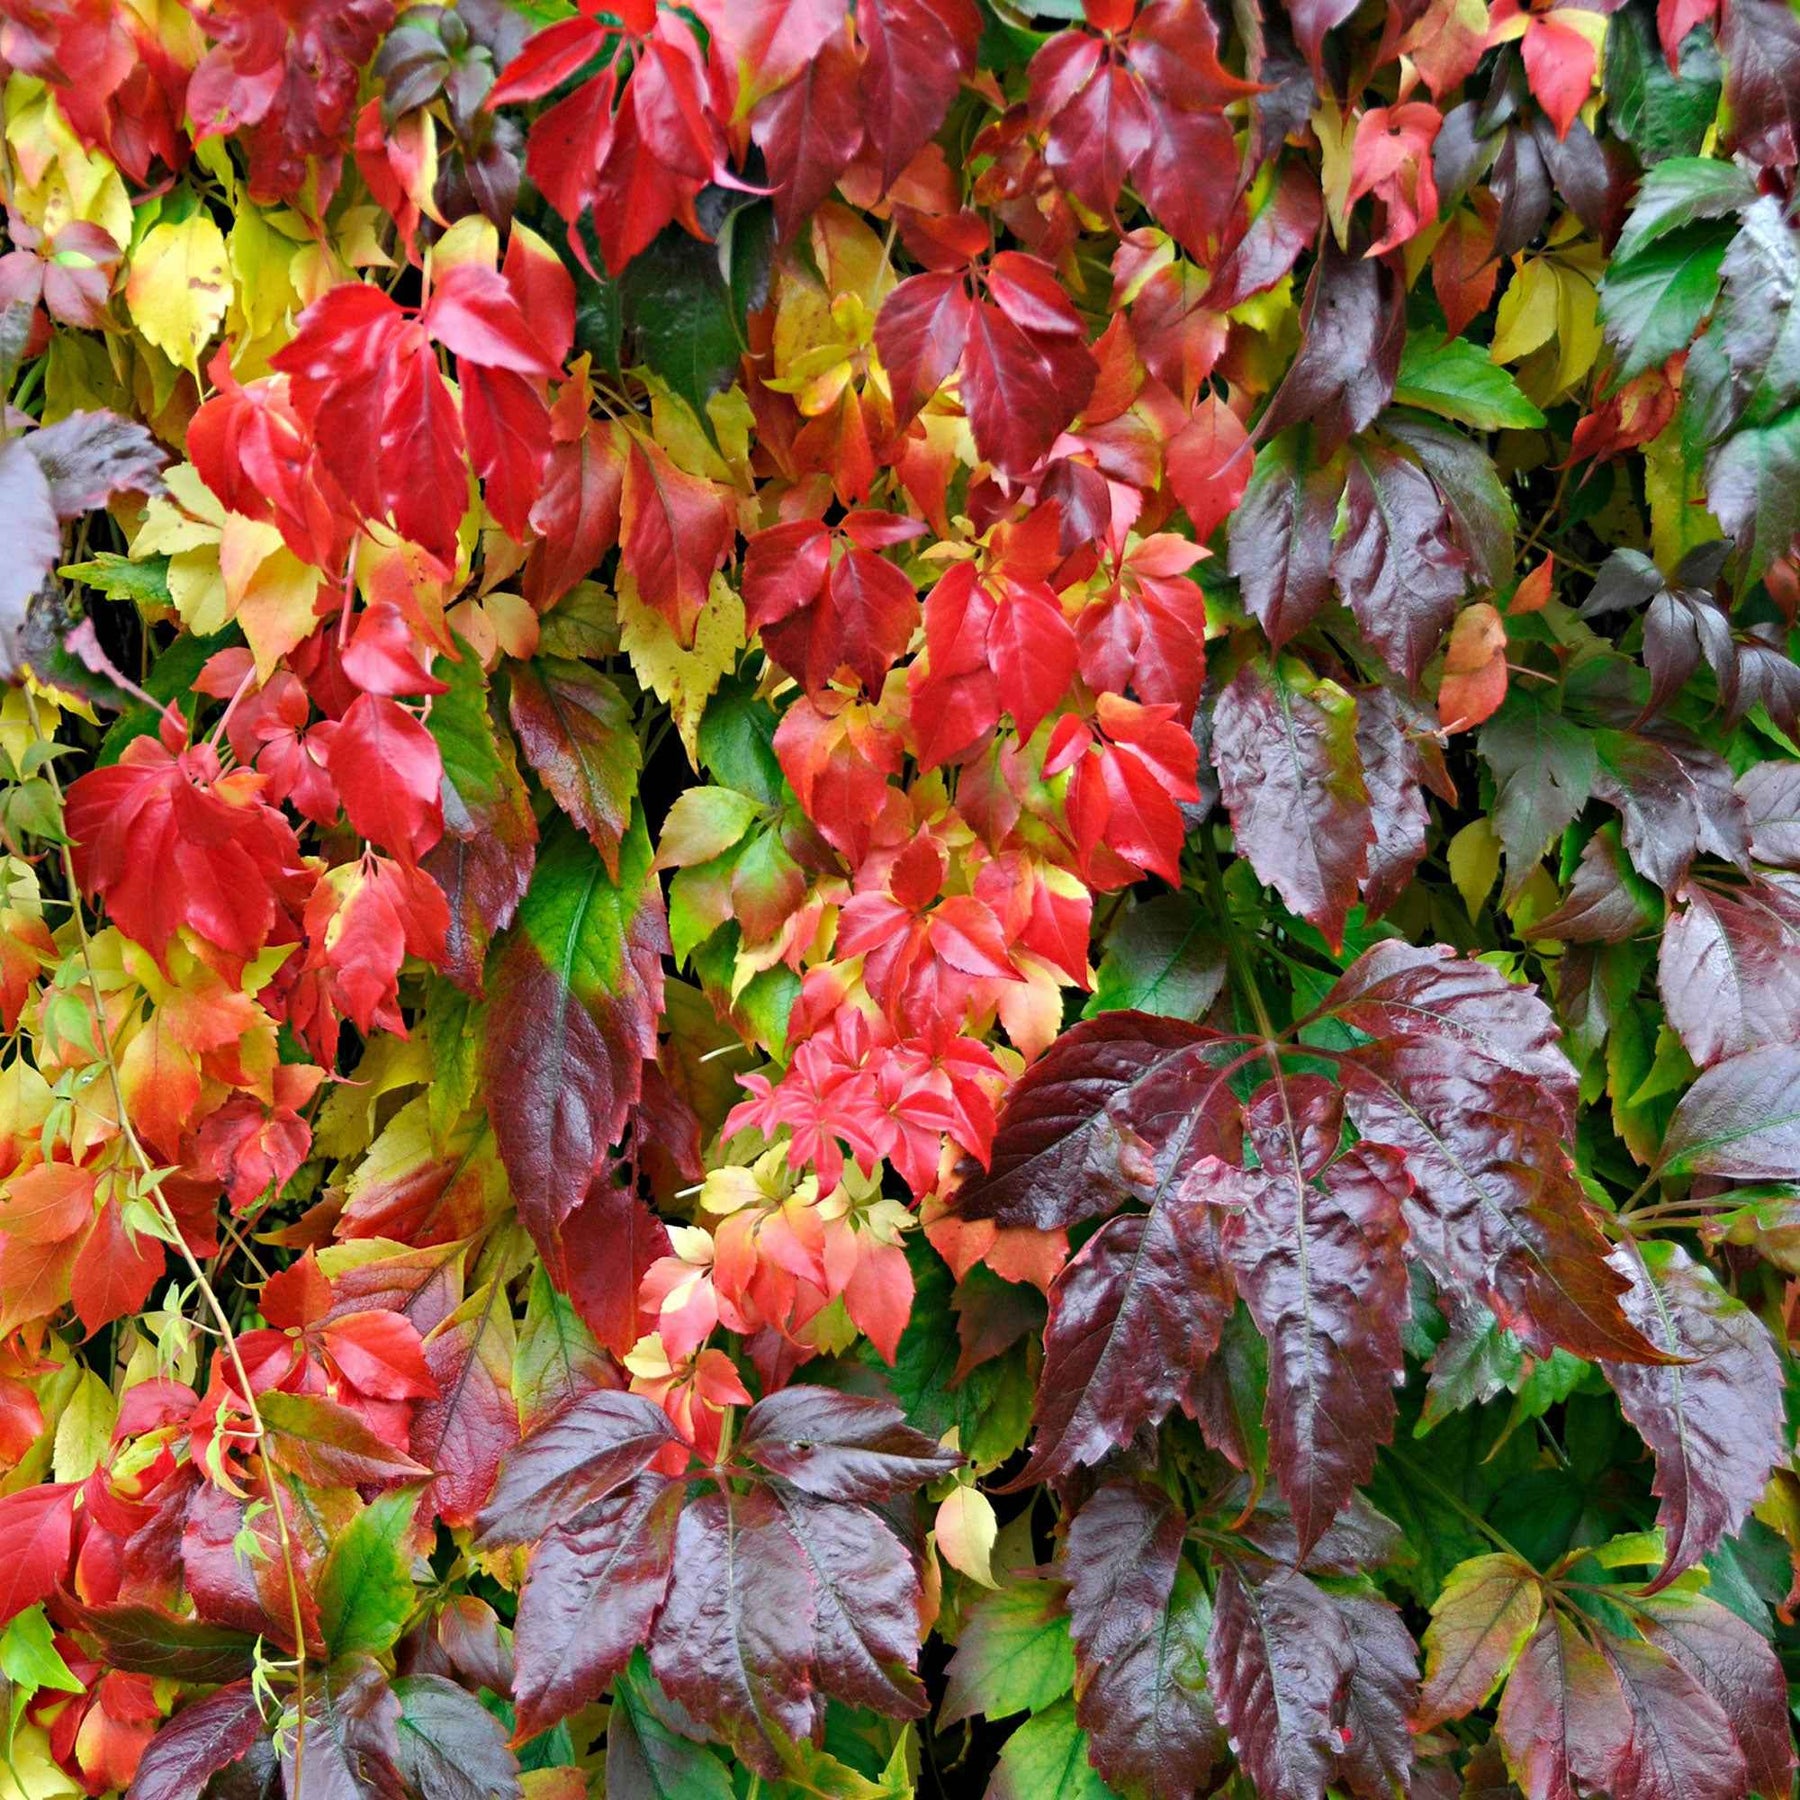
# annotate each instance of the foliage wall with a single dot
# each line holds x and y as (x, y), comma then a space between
(899, 899)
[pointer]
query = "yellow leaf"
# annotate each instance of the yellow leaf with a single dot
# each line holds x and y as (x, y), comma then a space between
(1526, 319)
(180, 286)
(1675, 484)
(84, 1430)
(966, 1530)
(263, 298)
(683, 680)
(1336, 132)
(271, 592)
(1474, 856)
(30, 1773)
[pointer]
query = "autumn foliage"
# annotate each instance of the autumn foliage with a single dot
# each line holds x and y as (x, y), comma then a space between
(899, 897)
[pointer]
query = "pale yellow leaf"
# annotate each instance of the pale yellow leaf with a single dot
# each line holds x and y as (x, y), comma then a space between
(180, 286)
(966, 1530)
(84, 1430)
(684, 680)
(1474, 856)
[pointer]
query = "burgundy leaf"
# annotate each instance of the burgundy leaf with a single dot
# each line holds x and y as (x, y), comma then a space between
(1281, 537)
(734, 1642)
(1730, 971)
(1321, 1267)
(1715, 1420)
(1291, 778)
(1280, 1659)
(1563, 1718)
(203, 1738)
(1139, 1619)
(865, 1589)
(590, 1595)
(1133, 1318)
(840, 1446)
(592, 1446)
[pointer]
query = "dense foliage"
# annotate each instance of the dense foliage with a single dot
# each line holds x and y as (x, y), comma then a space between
(899, 898)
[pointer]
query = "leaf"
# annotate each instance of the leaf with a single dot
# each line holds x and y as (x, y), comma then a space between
(1681, 1742)
(575, 1459)
(646, 1759)
(204, 1737)
(1714, 1420)
(1046, 1758)
(328, 1445)
(1161, 957)
(840, 1446)
(916, 54)
(483, 861)
(1377, 1758)
(179, 286)
(145, 1641)
(366, 1585)
(350, 1732)
(593, 1588)
(1280, 1660)
(1457, 380)
(1544, 766)
(1281, 536)
(1738, 1667)
(576, 732)
(465, 1431)
(1678, 191)
(1728, 972)
(1013, 1654)
(1321, 1269)
(1352, 328)
(1653, 300)
(576, 990)
(1563, 1718)
(1056, 1157)
(1740, 1120)
(1394, 562)
(1480, 1622)
(866, 1592)
(1139, 1620)
(388, 772)
(450, 1747)
(734, 1641)
(1291, 778)
(37, 546)
(1136, 1312)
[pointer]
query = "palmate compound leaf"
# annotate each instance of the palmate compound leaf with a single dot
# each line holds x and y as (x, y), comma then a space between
(1139, 1618)
(575, 993)
(1715, 1419)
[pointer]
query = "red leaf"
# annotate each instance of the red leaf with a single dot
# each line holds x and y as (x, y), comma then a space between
(917, 55)
(36, 1530)
(676, 529)
(388, 771)
(475, 314)
(115, 1271)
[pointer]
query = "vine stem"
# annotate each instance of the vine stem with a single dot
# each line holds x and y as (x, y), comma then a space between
(166, 1218)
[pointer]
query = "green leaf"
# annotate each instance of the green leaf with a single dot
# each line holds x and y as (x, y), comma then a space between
(1160, 958)
(1014, 1654)
(1458, 380)
(1652, 303)
(684, 301)
(145, 583)
(646, 1757)
(1047, 1759)
(1660, 112)
(29, 1658)
(366, 1589)
(1677, 193)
